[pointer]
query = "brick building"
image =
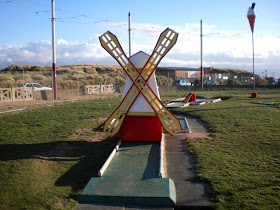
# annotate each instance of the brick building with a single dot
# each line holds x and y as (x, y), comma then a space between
(179, 73)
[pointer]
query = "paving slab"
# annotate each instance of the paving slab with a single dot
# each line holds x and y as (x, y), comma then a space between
(195, 125)
(190, 192)
(98, 207)
(198, 135)
(128, 207)
(147, 208)
(179, 163)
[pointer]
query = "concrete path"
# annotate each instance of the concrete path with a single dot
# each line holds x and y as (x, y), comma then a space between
(107, 207)
(190, 192)
(195, 125)
(196, 128)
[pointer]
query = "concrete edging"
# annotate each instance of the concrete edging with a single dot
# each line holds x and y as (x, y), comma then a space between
(162, 161)
(188, 126)
(109, 159)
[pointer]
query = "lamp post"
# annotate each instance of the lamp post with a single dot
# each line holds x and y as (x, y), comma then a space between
(251, 15)
(201, 57)
(54, 83)
(129, 34)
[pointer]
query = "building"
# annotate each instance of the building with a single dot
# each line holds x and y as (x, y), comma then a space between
(179, 73)
(210, 75)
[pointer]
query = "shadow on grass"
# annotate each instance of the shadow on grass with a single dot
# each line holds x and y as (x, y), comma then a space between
(88, 156)
(224, 98)
(184, 111)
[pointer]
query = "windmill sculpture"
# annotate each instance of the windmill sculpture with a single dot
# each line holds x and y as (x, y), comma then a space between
(141, 115)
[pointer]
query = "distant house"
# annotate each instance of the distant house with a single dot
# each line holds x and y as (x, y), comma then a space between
(179, 73)
(215, 76)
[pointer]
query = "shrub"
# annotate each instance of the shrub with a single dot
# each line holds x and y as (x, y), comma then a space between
(38, 77)
(119, 80)
(91, 70)
(164, 81)
(260, 81)
(8, 83)
(98, 80)
(233, 82)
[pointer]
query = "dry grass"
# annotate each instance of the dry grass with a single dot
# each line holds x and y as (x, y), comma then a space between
(68, 76)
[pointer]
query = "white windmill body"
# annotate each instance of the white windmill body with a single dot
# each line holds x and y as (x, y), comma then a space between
(141, 122)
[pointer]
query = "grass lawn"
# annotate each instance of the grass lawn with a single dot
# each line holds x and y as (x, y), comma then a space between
(47, 155)
(242, 160)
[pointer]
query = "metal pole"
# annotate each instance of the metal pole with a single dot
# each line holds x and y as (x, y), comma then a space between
(23, 91)
(254, 86)
(129, 33)
(78, 85)
(201, 66)
(54, 54)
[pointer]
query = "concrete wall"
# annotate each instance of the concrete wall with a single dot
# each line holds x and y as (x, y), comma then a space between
(43, 95)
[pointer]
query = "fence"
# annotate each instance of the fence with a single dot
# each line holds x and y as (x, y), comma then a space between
(99, 89)
(16, 94)
(163, 89)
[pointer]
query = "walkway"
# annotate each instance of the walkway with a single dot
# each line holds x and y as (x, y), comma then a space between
(191, 193)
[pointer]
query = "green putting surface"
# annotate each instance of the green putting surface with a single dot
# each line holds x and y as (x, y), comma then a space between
(271, 103)
(132, 178)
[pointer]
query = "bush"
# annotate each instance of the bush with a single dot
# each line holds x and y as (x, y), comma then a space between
(232, 82)
(8, 83)
(164, 81)
(119, 80)
(88, 70)
(38, 77)
(98, 80)
(260, 81)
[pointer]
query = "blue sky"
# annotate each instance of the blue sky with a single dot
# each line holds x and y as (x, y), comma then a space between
(25, 37)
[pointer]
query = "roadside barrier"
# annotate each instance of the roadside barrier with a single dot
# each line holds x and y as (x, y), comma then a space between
(16, 94)
(99, 89)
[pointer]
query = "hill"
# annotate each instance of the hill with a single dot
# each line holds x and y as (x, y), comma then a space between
(68, 76)
(71, 76)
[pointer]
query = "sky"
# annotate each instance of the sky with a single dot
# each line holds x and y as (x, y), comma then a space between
(26, 32)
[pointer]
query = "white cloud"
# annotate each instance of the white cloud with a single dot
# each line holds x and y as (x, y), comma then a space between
(220, 48)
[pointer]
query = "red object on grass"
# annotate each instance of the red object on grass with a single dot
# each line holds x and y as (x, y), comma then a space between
(193, 97)
(141, 128)
(187, 99)
(254, 95)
